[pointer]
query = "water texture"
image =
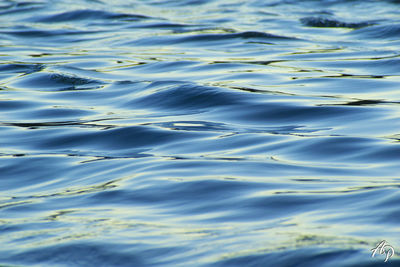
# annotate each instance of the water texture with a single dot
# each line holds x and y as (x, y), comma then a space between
(199, 132)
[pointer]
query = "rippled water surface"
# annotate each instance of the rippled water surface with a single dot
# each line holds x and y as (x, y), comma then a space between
(199, 132)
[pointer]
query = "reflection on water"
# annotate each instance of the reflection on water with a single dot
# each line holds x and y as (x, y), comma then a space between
(199, 133)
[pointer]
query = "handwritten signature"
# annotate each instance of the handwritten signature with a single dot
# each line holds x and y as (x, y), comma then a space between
(384, 248)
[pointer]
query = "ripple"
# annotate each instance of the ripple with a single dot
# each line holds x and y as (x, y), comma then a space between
(21, 68)
(55, 81)
(198, 133)
(88, 14)
(210, 39)
(187, 97)
(331, 23)
(380, 31)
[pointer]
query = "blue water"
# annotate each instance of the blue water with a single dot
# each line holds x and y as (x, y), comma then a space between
(199, 132)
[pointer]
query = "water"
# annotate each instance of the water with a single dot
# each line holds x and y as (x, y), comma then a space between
(199, 132)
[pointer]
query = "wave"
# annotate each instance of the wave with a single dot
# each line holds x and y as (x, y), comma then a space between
(87, 14)
(198, 133)
(331, 23)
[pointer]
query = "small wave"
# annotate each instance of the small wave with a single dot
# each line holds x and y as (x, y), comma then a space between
(72, 252)
(331, 23)
(187, 97)
(19, 7)
(390, 32)
(15, 104)
(47, 36)
(45, 81)
(120, 138)
(314, 255)
(249, 35)
(21, 68)
(288, 113)
(163, 25)
(78, 15)
(198, 132)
